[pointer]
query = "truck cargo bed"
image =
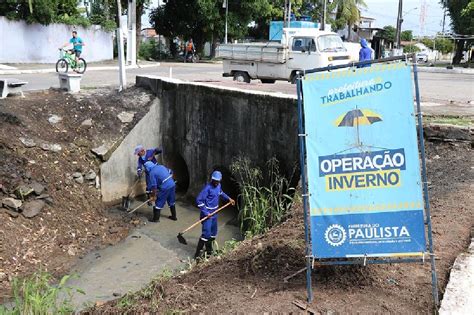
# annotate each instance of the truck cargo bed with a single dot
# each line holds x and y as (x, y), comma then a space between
(268, 52)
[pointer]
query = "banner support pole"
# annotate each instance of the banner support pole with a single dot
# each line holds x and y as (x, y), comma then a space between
(302, 145)
(434, 278)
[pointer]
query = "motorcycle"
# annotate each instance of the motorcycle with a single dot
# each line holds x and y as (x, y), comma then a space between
(190, 57)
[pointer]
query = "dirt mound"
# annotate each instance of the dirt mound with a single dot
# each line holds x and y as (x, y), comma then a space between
(47, 165)
(250, 279)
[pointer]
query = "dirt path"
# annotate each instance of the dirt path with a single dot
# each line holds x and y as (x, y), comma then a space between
(250, 279)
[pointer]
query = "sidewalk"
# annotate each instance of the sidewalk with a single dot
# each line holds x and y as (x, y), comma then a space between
(31, 68)
(445, 70)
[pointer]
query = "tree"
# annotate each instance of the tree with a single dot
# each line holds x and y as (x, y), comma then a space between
(407, 35)
(444, 45)
(347, 13)
(388, 33)
(462, 17)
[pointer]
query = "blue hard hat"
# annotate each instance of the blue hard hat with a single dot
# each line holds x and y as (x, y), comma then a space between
(216, 175)
(149, 165)
(138, 148)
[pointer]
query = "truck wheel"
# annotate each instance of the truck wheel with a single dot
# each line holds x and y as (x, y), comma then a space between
(241, 76)
(269, 81)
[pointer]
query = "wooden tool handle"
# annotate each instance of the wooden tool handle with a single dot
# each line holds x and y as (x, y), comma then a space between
(206, 217)
(141, 205)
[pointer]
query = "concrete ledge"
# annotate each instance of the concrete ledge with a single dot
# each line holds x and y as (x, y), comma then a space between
(458, 297)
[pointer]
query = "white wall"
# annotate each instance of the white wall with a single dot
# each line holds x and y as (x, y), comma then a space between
(35, 43)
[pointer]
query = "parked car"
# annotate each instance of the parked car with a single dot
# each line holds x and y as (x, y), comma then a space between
(422, 57)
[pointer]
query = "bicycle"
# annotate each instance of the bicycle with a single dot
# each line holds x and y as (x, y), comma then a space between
(66, 59)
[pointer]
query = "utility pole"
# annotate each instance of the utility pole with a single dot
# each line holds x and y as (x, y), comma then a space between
(289, 13)
(444, 20)
(226, 6)
(121, 57)
(132, 33)
(399, 23)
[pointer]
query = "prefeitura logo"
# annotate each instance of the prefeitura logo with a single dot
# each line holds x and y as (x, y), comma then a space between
(335, 235)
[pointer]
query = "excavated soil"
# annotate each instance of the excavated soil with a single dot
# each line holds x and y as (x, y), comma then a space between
(74, 221)
(250, 278)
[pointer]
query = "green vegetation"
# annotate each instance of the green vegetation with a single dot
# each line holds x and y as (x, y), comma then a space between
(265, 195)
(151, 50)
(451, 120)
(410, 49)
(461, 13)
(444, 45)
(37, 294)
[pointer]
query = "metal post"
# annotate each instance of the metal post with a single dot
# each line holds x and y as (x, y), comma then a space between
(226, 14)
(301, 140)
(323, 24)
(434, 278)
(121, 57)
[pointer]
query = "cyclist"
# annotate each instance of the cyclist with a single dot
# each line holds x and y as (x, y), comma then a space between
(189, 49)
(77, 43)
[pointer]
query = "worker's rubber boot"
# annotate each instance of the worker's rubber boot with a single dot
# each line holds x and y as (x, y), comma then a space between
(199, 249)
(173, 213)
(209, 247)
(156, 214)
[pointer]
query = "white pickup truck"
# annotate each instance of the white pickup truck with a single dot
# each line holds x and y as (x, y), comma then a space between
(299, 49)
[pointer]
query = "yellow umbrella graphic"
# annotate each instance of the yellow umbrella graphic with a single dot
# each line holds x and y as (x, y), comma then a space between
(357, 117)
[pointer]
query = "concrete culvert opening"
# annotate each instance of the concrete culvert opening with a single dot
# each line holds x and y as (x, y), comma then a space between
(178, 165)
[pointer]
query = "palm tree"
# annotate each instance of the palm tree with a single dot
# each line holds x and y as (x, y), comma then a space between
(347, 12)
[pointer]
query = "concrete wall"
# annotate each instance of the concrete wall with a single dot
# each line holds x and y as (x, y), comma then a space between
(118, 173)
(35, 43)
(203, 127)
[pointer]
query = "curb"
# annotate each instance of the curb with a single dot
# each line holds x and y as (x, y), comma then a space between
(444, 70)
(52, 70)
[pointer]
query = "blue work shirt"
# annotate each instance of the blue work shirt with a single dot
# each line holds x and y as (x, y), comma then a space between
(208, 198)
(149, 156)
(161, 177)
(75, 41)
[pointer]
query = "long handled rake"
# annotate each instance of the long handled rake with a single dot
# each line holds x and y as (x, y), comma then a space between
(180, 236)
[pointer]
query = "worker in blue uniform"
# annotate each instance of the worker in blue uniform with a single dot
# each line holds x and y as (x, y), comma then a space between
(144, 156)
(163, 189)
(208, 202)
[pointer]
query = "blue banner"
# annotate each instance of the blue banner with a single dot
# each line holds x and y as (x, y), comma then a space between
(362, 163)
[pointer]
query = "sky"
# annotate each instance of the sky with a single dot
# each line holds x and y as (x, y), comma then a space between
(385, 13)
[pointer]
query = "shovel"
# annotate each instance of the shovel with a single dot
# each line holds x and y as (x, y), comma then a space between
(138, 207)
(126, 199)
(180, 236)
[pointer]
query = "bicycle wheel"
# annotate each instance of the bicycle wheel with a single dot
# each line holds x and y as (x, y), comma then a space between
(62, 66)
(81, 65)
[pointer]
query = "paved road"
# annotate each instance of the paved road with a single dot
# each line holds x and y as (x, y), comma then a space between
(439, 88)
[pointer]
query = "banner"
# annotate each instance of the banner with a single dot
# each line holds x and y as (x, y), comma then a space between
(362, 163)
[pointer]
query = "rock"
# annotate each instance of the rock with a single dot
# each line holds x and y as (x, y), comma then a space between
(114, 230)
(54, 119)
(126, 117)
(11, 213)
(116, 294)
(32, 208)
(81, 142)
(49, 201)
(101, 151)
(79, 180)
(37, 187)
(12, 203)
(51, 147)
(76, 175)
(28, 175)
(23, 191)
(43, 196)
(29, 143)
(87, 123)
(3, 276)
(91, 175)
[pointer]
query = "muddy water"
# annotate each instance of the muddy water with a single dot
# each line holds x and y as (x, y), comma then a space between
(148, 250)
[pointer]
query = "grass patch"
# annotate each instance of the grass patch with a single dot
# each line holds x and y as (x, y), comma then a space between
(37, 294)
(451, 120)
(266, 195)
